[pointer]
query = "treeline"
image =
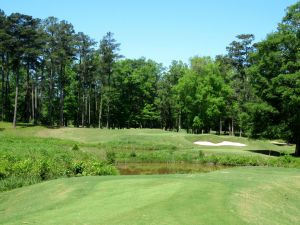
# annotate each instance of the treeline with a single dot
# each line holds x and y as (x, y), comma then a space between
(51, 75)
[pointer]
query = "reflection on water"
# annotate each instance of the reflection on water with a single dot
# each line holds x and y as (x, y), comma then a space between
(165, 168)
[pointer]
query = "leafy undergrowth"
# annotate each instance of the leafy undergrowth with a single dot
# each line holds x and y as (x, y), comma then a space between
(25, 161)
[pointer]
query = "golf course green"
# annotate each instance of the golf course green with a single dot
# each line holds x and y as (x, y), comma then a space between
(232, 196)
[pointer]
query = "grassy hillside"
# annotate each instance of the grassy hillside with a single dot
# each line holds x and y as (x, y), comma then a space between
(232, 196)
(153, 139)
(30, 154)
(153, 145)
(141, 140)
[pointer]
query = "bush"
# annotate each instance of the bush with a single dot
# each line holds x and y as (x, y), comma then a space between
(78, 168)
(111, 157)
(44, 170)
(100, 169)
(200, 154)
(75, 148)
(132, 155)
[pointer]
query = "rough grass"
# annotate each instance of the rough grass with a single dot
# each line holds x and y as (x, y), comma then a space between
(154, 145)
(231, 196)
(26, 159)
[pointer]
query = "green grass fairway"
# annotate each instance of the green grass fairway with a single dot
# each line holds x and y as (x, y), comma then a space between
(231, 196)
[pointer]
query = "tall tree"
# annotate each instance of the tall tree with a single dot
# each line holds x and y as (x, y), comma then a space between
(32, 44)
(170, 110)
(19, 25)
(4, 43)
(50, 26)
(84, 46)
(66, 52)
(276, 76)
(108, 55)
(238, 54)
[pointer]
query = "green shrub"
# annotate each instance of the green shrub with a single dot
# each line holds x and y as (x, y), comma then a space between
(132, 155)
(100, 169)
(78, 168)
(111, 157)
(200, 154)
(45, 170)
(75, 147)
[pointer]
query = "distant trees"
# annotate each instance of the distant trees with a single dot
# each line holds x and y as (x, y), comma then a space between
(53, 76)
(136, 84)
(203, 95)
(168, 97)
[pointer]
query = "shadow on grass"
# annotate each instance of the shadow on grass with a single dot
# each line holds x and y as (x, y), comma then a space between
(294, 155)
(267, 152)
(25, 125)
(54, 127)
(2, 129)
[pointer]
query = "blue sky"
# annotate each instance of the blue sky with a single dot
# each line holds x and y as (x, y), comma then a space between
(162, 30)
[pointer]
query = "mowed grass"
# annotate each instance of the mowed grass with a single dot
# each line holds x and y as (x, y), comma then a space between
(249, 195)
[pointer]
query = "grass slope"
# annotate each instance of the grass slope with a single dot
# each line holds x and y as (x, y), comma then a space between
(155, 139)
(232, 196)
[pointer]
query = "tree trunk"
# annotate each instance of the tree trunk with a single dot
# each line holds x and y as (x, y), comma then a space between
(100, 111)
(232, 126)
(2, 88)
(27, 96)
(61, 108)
(61, 102)
(82, 112)
(220, 126)
(107, 115)
(16, 100)
(78, 109)
(35, 105)
(297, 148)
(85, 110)
(179, 121)
(89, 110)
(32, 104)
(51, 88)
(7, 90)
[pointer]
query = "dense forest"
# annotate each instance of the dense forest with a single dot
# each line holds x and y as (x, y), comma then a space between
(51, 75)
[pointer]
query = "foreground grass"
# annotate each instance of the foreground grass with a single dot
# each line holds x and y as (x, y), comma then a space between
(231, 196)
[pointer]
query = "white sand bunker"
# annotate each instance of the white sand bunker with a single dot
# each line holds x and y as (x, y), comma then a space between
(223, 143)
